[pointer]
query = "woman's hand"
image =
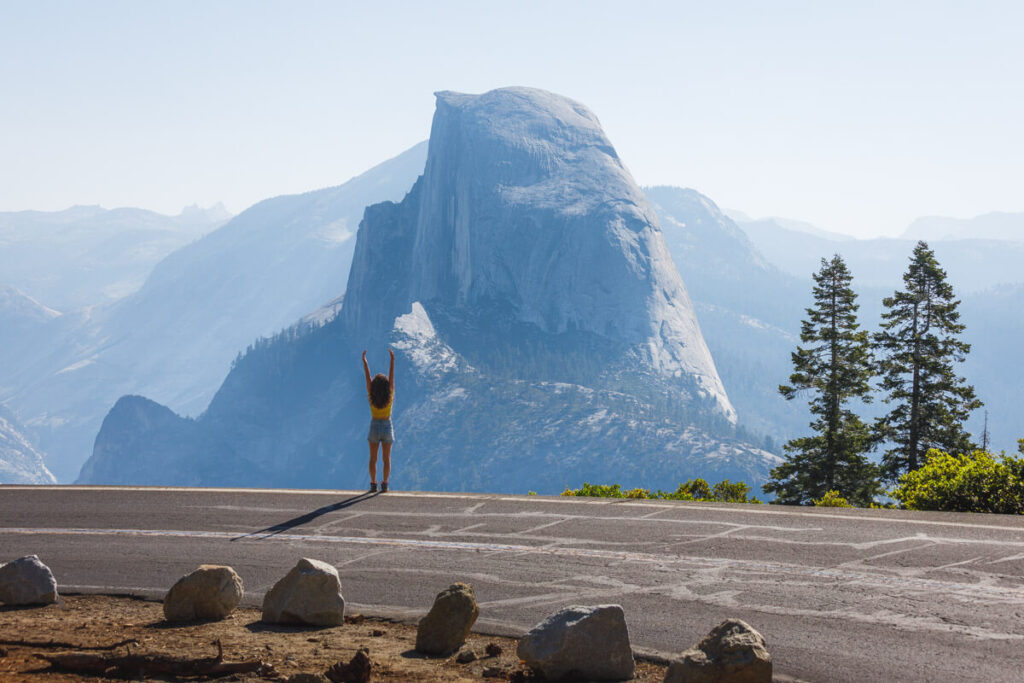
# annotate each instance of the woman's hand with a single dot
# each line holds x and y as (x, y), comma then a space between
(389, 351)
(364, 354)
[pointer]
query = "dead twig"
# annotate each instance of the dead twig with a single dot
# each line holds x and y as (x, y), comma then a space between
(140, 666)
(61, 645)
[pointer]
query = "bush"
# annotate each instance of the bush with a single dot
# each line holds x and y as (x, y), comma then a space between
(831, 499)
(694, 489)
(978, 482)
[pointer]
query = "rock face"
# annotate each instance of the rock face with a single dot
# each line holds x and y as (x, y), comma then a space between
(524, 210)
(20, 462)
(309, 594)
(590, 643)
(210, 592)
(27, 581)
(732, 652)
(449, 621)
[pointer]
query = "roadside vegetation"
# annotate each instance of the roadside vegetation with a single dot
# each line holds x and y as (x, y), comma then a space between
(724, 491)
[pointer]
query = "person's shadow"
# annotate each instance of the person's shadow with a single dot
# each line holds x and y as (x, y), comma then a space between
(308, 517)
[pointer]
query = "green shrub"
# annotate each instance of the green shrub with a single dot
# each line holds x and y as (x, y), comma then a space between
(694, 489)
(976, 482)
(831, 499)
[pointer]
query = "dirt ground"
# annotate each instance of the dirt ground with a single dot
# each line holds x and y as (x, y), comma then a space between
(84, 623)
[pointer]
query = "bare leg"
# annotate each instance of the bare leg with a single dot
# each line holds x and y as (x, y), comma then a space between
(373, 463)
(386, 448)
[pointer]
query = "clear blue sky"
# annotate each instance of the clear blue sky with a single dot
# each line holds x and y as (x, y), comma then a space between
(857, 116)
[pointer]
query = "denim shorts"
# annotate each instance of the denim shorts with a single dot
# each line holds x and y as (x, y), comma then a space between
(381, 431)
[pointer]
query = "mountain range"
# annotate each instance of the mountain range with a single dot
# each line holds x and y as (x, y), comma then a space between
(544, 334)
(287, 259)
(175, 338)
(87, 255)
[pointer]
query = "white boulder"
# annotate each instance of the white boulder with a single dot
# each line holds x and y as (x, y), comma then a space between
(27, 581)
(733, 651)
(309, 594)
(210, 592)
(591, 643)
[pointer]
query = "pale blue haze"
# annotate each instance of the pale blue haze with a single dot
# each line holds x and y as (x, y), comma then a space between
(858, 116)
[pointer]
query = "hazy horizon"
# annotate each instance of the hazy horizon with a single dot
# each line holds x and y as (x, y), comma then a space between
(856, 119)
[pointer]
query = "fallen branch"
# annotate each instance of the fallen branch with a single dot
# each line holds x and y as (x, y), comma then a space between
(61, 645)
(140, 666)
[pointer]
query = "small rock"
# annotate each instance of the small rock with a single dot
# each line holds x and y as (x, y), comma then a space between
(466, 656)
(580, 642)
(210, 592)
(733, 651)
(357, 670)
(495, 672)
(309, 594)
(27, 581)
(493, 650)
(3, 652)
(378, 632)
(308, 678)
(449, 621)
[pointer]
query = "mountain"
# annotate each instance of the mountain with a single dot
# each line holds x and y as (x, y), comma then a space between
(973, 264)
(543, 335)
(772, 223)
(87, 255)
(20, 462)
(174, 339)
(749, 310)
(22, 319)
(990, 226)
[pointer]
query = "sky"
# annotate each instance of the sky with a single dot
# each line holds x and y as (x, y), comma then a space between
(855, 116)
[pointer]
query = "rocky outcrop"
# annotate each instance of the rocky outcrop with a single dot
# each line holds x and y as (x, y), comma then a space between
(210, 592)
(526, 212)
(589, 643)
(308, 594)
(27, 581)
(448, 622)
(733, 652)
(20, 462)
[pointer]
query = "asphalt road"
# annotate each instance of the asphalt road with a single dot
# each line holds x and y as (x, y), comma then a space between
(840, 595)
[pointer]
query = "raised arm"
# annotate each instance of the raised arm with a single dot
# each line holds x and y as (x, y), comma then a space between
(391, 371)
(366, 371)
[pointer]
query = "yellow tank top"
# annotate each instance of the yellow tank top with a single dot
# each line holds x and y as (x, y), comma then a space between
(381, 413)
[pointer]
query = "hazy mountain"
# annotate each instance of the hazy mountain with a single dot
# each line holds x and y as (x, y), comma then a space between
(543, 334)
(989, 226)
(749, 310)
(972, 264)
(20, 462)
(175, 338)
(22, 320)
(771, 223)
(87, 255)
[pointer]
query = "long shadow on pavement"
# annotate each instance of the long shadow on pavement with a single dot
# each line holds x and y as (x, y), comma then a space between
(308, 517)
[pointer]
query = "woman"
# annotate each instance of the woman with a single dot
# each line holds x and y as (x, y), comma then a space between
(381, 392)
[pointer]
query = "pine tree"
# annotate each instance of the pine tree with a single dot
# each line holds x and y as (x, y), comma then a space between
(918, 344)
(836, 366)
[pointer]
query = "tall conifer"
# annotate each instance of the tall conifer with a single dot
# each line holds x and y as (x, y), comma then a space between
(918, 345)
(835, 366)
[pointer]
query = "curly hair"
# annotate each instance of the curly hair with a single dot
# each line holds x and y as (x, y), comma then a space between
(380, 391)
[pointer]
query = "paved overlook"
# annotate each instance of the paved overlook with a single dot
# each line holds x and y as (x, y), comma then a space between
(840, 595)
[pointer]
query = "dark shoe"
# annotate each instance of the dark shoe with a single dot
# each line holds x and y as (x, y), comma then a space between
(384, 487)
(373, 487)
